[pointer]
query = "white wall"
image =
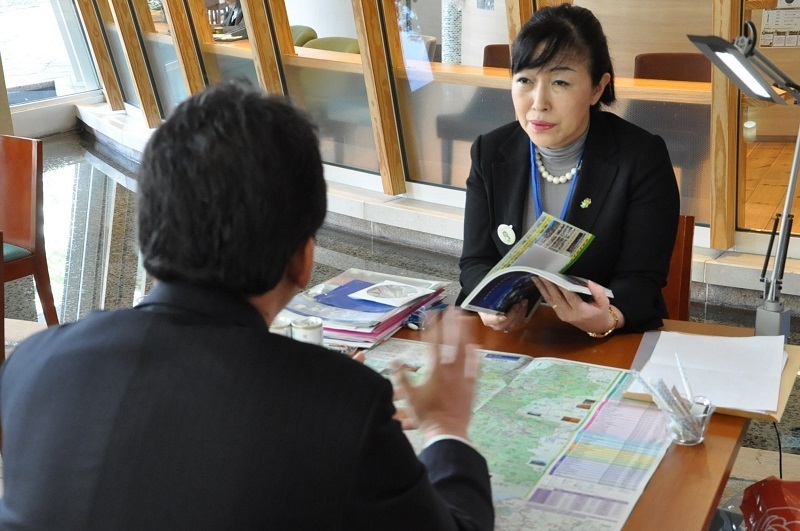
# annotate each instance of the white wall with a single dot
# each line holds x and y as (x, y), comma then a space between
(330, 18)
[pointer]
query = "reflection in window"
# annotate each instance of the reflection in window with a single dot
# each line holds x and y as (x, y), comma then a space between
(162, 57)
(224, 45)
(332, 88)
(440, 119)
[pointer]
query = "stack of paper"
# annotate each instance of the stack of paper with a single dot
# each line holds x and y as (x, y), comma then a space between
(361, 308)
(735, 373)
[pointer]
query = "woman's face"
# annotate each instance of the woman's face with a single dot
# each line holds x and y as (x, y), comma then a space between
(552, 103)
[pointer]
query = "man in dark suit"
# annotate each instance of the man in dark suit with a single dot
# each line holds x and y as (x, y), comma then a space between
(185, 412)
(234, 16)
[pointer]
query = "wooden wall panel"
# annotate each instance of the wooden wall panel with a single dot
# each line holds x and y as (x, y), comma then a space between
(377, 76)
(518, 12)
(134, 54)
(93, 26)
(183, 37)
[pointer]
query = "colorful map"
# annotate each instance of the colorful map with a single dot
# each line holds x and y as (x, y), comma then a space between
(564, 449)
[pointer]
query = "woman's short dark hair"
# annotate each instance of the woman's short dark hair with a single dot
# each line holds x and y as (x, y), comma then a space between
(230, 187)
(554, 33)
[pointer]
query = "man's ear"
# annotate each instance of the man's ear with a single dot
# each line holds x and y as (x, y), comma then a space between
(301, 264)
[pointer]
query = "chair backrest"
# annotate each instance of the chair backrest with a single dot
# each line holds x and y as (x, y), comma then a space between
(2, 305)
(21, 191)
(335, 44)
(672, 66)
(677, 291)
(497, 55)
(430, 45)
(302, 34)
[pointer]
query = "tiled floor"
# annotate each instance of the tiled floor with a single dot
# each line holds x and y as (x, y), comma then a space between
(765, 183)
(90, 231)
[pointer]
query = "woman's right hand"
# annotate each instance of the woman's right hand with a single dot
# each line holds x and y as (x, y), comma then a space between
(508, 322)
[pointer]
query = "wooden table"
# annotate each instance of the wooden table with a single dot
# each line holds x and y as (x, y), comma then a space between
(687, 486)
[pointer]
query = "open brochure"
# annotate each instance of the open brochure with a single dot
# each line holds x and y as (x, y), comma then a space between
(564, 450)
(546, 250)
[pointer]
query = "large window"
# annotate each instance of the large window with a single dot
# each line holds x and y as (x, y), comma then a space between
(453, 82)
(44, 51)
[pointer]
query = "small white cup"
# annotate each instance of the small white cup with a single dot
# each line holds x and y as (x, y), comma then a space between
(307, 330)
(281, 326)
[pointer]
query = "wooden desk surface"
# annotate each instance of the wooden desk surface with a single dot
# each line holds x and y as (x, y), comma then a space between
(687, 486)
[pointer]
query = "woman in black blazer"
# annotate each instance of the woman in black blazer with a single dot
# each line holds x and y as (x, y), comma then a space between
(591, 168)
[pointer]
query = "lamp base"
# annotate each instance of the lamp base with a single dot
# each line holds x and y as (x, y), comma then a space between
(773, 320)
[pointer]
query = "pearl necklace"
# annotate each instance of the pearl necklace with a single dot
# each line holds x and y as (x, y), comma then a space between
(552, 178)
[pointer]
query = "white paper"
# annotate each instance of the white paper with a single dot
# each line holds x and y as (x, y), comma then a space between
(733, 372)
(390, 292)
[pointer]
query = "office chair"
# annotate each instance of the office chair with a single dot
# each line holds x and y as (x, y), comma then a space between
(677, 292)
(335, 44)
(302, 34)
(475, 119)
(21, 218)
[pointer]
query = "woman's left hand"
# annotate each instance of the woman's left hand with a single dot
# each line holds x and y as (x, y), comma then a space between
(590, 316)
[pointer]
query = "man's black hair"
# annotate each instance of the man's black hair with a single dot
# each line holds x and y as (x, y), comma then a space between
(230, 187)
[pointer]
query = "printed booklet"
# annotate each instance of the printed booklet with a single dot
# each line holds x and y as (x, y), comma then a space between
(546, 250)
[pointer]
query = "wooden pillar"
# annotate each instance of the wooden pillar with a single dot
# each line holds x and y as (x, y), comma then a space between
(727, 23)
(183, 37)
(134, 54)
(93, 26)
(260, 31)
(378, 79)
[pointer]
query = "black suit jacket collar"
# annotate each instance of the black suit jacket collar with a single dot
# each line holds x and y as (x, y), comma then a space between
(597, 174)
(202, 304)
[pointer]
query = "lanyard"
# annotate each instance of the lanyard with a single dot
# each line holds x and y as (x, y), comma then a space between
(537, 197)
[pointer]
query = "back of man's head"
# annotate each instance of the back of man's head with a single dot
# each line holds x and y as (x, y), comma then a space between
(230, 187)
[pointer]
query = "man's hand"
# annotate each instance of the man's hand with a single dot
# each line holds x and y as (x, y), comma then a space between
(442, 404)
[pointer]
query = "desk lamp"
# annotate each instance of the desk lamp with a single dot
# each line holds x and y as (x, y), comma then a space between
(755, 75)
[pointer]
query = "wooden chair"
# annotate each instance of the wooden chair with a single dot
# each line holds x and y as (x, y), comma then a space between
(2, 307)
(672, 66)
(677, 291)
(21, 218)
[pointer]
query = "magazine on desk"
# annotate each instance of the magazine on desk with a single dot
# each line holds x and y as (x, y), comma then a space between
(546, 250)
(564, 449)
(349, 308)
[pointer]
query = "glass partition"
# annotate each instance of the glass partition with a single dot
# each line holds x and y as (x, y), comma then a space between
(159, 49)
(450, 88)
(45, 53)
(326, 77)
(222, 36)
(670, 103)
(769, 132)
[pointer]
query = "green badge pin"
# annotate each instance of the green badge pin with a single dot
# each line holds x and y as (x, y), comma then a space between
(586, 202)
